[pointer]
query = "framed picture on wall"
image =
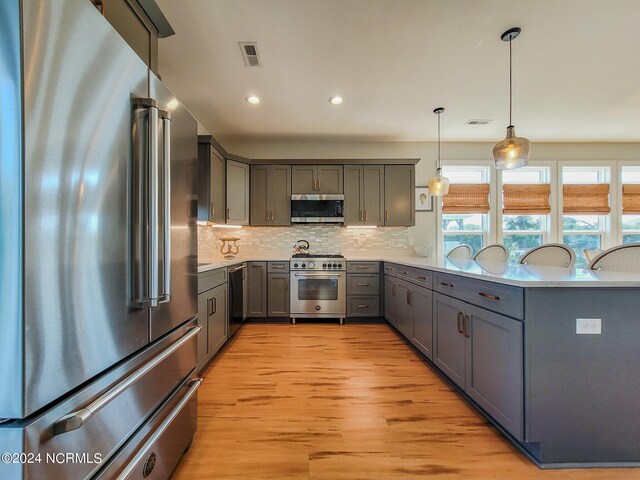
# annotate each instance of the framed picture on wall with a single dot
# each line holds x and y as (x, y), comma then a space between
(423, 200)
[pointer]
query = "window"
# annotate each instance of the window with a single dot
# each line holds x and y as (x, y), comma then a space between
(630, 179)
(522, 232)
(469, 228)
(585, 228)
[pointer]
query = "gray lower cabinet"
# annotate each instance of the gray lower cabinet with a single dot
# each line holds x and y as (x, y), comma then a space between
(481, 351)
(364, 194)
(390, 299)
(363, 289)
(212, 315)
(404, 309)
(237, 193)
(317, 179)
(422, 304)
(399, 195)
(270, 195)
(278, 295)
(257, 278)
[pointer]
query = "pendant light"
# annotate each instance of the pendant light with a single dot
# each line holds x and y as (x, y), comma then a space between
(438, 185)
(512, 152)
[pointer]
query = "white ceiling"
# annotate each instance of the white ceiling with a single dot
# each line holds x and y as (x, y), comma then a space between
(576, 68)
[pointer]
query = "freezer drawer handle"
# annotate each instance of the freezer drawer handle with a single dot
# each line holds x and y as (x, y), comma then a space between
(193, 388)
(77, 419)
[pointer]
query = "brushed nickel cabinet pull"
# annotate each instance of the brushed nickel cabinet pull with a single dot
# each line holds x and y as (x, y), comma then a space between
(363, 267)
(388, 268)
(445, 284)
(402, 272)
(489, 296)
(363, 306)
(386, 215)
(214, 302)
(228, 213)
(209, 306)
(362, 284)
(409, 299)
(421, 278)
(460, 321)
(465, 325)
(319, 187)
(213, 210)
(278, 267)
(366, 216)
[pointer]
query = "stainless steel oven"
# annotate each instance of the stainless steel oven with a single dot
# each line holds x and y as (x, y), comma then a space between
(318, 288)
(317, 208)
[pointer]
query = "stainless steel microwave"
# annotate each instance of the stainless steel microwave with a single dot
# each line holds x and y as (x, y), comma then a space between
(317, 208)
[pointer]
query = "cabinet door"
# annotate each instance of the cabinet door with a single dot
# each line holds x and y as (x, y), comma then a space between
(495, 367)
(390, 299)
(280, 194)
(449, 341)
(399, 201)
(373, 194)
(260, 210)
(203, 337)
(405, 309)
(353, 195)
(257, 277)
(330, 178)
(278, 295)
(217, 188)
(423, 320)
(237, 193)
(303, 179)
(218, 318)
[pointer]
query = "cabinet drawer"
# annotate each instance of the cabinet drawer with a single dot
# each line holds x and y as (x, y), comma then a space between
(358, 306)
(415, 275)
(211, 279)
(363, 284)
(496, 297)
(390, 269)
(278, 267)
(363, 267)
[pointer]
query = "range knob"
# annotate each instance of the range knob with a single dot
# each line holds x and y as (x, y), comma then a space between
(295, 265)
(304, 265)
(335, 265)
(312, 264)
(324, 265)
(340, 265)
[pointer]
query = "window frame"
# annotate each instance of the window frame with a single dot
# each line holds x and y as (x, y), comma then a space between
(488, 233)
(547, 229)
(619, 215)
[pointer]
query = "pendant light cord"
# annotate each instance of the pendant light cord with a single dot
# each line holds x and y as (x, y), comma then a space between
(510, 83)
(439, 167)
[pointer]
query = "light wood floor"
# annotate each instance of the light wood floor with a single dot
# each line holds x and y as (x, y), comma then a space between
(323, 401)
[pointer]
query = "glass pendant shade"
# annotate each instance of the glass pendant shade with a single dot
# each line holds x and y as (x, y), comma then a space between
(512, 152)
(438, 185)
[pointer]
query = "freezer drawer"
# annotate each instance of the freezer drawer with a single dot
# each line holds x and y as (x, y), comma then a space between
(157, 447)
(98, 419)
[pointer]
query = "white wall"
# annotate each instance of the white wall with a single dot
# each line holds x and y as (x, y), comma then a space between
(425, 233)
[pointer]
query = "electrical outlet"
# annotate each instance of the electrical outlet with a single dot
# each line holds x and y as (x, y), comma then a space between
(588, 326)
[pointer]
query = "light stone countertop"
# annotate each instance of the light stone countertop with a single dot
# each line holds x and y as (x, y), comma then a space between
(508, 274)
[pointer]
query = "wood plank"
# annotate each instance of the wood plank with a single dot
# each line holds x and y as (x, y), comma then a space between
(320, 401)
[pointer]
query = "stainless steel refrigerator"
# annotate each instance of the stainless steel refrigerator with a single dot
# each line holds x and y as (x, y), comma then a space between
(98, 252)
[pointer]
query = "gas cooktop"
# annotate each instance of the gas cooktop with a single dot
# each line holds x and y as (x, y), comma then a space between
(309, 255)
(317, 262)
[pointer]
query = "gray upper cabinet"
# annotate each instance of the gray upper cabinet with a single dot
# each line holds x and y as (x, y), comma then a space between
(364, 194)
(237, 193)
(317, 179)
(211, 184)
(270, 195)
(399, 198)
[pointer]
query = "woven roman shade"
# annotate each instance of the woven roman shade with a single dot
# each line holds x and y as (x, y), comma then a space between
(466, 198)
(518, 199)
(586, 199)
(631, 198)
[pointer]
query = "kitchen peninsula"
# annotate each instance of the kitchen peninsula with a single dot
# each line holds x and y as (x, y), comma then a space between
(563, 398)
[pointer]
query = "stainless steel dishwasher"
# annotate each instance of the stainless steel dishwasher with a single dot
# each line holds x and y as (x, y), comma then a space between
(237, 275)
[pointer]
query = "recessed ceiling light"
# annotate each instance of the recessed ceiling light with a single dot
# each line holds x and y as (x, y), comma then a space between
(253, 99)
(336, 100)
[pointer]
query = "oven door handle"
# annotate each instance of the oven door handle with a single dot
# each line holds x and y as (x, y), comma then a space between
(318, 275)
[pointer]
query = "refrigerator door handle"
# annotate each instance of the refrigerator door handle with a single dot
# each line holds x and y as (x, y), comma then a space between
(143, 203)
(77, 419)
(165, 292)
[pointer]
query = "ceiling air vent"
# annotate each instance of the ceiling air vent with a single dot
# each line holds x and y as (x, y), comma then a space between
(250, 54)
(477, 121)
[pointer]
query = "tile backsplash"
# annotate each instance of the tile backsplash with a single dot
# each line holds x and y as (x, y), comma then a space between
(329, 239)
